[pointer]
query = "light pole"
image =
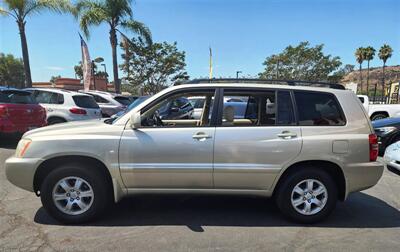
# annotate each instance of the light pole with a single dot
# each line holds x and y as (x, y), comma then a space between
(237, 74)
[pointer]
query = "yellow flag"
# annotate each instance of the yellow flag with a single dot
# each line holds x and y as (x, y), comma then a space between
(211, 69)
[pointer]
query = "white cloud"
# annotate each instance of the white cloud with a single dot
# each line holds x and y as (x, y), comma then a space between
(55, 68)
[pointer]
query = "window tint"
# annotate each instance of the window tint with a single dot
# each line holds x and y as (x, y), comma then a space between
(85, 101)
(16, 97)
(318, 109)
(285, 109)
(178, 111)
(123, 100)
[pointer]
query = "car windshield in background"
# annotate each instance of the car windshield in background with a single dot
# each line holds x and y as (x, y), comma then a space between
(123, 100)
(16, 97)
(85, 101)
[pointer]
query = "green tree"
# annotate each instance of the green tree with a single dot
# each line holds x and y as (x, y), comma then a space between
(79, 71)
(369, 54)
(153, 67)
(20, 10)
(54, 78)
(11, 71)
(337, 76)
(116, 14)
(301, 62)
(360, 59)
(385, 52)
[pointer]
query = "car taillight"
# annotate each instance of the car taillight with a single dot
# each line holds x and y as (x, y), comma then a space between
(3, 112)
(373, 147)
(78, 111)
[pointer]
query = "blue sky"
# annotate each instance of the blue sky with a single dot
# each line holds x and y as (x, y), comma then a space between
(242, 33)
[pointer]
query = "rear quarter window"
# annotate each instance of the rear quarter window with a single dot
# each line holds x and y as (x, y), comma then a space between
(123, 100)
(85, 101)
(318, 109)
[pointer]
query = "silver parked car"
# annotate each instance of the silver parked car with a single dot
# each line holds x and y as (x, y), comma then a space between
(306, 146)
(110, 103)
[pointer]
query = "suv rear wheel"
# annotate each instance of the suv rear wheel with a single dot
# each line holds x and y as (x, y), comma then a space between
(74, 194)
(307, 196)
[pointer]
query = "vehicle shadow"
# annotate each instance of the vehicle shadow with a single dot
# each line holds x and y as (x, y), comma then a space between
(9, 142)
(359, 211)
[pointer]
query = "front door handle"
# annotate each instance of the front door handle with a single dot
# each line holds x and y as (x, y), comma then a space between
(287, 135)
(201, 136)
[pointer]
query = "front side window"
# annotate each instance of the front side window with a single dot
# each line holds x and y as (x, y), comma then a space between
(177, 111)
(318, 109)
(43, 97)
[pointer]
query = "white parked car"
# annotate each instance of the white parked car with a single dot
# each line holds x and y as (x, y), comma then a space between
(110, 103)
(64, 106)
(392, 156)
(379, 111)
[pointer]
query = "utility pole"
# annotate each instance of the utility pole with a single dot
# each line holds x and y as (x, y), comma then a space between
(237, 74)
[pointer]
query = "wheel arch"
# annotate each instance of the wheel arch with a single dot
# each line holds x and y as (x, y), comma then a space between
(50, 164)
(56, 117)
(331, 168)
(379, 112)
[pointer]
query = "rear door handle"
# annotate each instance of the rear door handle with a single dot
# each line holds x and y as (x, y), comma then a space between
(287, 135)
(201, 136)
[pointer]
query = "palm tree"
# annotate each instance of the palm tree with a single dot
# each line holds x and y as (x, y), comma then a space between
(369, 54)
(20, 10)
(116, 14)
(384, 54)
(360, 59)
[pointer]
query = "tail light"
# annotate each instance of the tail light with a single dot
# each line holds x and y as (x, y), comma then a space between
(78, 111)
(373, 147)
(3, 112)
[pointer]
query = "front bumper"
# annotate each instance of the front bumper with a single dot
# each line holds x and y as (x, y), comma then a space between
(361, 176)
(21, 171)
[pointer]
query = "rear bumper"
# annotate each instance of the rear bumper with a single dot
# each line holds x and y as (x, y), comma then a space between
(361, 176)
(21, 171)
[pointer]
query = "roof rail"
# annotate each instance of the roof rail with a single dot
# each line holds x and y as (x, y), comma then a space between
(268, 81)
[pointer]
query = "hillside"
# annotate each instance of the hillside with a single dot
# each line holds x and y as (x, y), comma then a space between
(392, 74)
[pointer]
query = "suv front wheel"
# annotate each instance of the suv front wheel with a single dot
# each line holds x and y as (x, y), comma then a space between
(73, 193)
(307, 196)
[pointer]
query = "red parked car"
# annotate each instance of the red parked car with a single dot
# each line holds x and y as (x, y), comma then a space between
(19, 112)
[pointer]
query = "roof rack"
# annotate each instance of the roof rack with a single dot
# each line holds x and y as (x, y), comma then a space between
(268, 81)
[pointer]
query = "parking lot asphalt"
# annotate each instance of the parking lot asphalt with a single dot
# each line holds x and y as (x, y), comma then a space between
(367, 221)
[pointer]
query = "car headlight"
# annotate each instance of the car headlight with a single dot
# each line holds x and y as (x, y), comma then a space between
(22, 147)
(385, 130)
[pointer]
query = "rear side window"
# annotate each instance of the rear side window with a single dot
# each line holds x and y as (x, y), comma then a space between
(85, 101)
(123, 100)
(16, 97)
(99, 99)
(318, 109)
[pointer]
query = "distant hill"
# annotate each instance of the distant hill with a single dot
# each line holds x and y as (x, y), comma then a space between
(392, 74)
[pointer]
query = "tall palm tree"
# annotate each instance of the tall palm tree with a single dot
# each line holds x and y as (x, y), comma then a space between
(360, 59)
(116, 14)
(369, 54)
(385, 52)
(20, 10)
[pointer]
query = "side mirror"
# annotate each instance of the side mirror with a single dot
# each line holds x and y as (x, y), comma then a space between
(174, 109)
(136, 120)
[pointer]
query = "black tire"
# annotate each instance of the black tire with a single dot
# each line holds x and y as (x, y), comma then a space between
(96, 179)
(378, 116)
(284, 194)
(55, 120)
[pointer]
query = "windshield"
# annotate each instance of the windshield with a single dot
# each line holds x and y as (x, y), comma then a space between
(16, 97)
